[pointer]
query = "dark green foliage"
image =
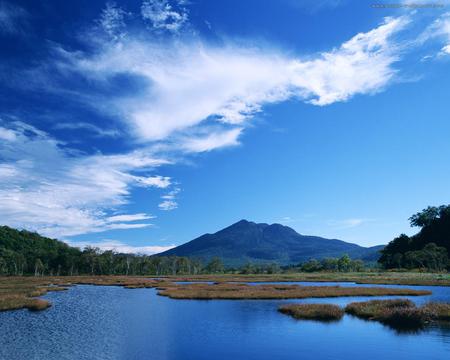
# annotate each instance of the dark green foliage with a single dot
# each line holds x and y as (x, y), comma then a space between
(214, 266)
(28, 253)
(429, 248)
(342, 264)
(246, 242)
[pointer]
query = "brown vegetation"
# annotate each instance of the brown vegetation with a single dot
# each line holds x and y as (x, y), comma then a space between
(270, 291)
(384, 277)
(321, 312)
(38, 304)
(17, 292)
(399, 313)
(20, 292)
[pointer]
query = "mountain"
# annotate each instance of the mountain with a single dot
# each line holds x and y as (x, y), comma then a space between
(246, 241)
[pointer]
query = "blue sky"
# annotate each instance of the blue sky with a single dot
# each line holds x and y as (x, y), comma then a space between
(139, 125)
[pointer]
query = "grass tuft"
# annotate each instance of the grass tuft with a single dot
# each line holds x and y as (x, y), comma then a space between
(399, 313)
(38, 304)
(438, 310)
(320, 312)
(376, 308)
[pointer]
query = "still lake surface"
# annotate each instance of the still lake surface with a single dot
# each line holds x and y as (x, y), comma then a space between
(96, 322)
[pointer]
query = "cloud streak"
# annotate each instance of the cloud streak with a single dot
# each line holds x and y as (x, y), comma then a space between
(191, 85)
(186, 96)
(121, 247)
(61, 192)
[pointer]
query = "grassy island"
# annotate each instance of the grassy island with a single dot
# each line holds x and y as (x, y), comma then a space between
(20, 292)
(275, 291)
(400, 313)
(320, 312)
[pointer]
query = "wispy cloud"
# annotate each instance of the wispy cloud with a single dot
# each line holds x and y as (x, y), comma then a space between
(348, 223)
(61, 192)
(212, 140)
(165, 15)
(112, 20)
(121, 247)
(439, 29)
(130, 217)
(229, 85)
(96, 130)
(187, 97)
(168, 205)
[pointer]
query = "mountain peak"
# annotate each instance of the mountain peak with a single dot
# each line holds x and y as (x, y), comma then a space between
(249, 242)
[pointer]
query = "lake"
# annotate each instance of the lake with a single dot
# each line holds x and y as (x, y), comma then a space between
(96, 322)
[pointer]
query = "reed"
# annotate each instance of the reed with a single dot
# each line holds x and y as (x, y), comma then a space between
(21, 292)
(381, 277)
(399, 313)
(438, 310)
(37, 304)
(232, 291)
(320, 312)
(376, 308)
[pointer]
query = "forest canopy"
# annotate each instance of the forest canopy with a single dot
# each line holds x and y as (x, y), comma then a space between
(428, 249)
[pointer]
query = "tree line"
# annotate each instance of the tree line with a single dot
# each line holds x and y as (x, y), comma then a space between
(28, 253)
(341, 264)
(428, 249)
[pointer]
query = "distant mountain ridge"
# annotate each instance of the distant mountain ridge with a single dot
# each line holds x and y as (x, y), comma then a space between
(246, 241)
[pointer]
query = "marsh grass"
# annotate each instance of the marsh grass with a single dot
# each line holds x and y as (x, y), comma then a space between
(399, 313)
(376, 308)
(22, 292)
(38, 304)
(384, 277)
(319, 312)
(17, 292)
(270, 291)
(438, 310)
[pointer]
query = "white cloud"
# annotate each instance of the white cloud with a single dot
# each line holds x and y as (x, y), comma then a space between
(198, 97)
(439, 29)
(212, 140)
(156, 181)
(168, 205)
(130, 217)
(162, 15)
(171, 194)
(96, 130)
(112, 20)
(121, 247)
(61, 192)
(194, 84)
(7, 134)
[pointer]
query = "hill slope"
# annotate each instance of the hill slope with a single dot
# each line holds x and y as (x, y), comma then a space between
(247, 241)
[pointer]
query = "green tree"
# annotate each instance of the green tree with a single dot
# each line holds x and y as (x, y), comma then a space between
(214, 266)
(344, 263)
(427, 216)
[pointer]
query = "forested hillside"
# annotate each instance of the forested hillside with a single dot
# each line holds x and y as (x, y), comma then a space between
(28, 253)
(429, 248)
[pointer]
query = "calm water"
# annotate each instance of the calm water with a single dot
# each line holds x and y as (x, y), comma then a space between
(92, 322)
